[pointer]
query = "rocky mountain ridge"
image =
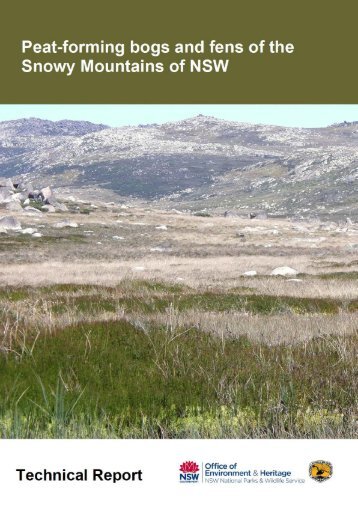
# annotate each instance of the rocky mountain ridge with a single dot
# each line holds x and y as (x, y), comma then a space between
(194, 164)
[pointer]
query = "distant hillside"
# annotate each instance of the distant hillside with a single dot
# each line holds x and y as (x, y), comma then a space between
(38, 127)
(198, 163)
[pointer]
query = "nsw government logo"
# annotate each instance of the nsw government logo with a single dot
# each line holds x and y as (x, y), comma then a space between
(189, 472)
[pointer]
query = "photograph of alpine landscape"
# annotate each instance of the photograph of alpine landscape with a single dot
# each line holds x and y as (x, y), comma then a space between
(178, 271)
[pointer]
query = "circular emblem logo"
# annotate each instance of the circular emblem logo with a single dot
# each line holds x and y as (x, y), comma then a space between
(320, 470)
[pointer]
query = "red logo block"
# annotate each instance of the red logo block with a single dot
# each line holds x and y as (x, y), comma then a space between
(189, 467)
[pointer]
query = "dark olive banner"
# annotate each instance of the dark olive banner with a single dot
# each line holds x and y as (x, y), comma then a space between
(242, 51)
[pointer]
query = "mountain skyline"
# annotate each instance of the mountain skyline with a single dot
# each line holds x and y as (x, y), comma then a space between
(304, 116)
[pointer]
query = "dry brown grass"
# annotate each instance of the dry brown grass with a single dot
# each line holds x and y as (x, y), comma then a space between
(198, 254)
(204, 273)
(202, 251)
(271, 329)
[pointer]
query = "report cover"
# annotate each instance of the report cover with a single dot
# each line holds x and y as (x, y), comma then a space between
(178, 248)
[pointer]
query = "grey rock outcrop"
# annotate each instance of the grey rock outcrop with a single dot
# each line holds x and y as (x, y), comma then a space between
(6, 183)
(14, 207)
(49, 199)
(10, 223)
(250, 273)
(60, 206)
(66, 223)
(45, 194)
(284, 271)
(18, 197)
(33, 210)
(29, 231)
(261, 215)
(49, 208)
(5, 195)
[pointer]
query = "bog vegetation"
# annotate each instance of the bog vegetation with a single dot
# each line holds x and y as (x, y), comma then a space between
(148, 359)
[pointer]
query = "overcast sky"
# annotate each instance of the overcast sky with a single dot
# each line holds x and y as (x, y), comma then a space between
(119, 115)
